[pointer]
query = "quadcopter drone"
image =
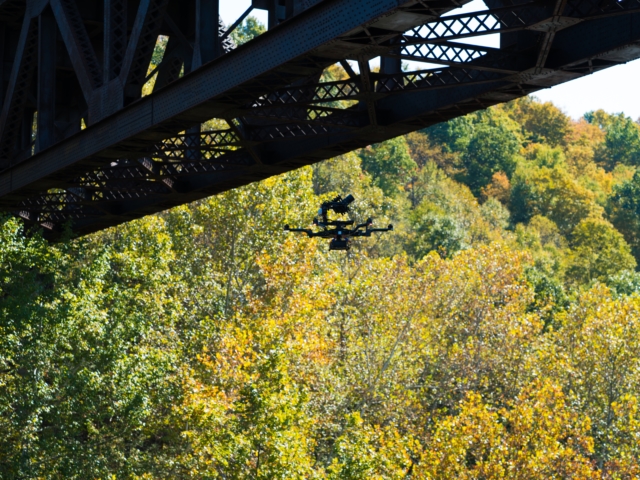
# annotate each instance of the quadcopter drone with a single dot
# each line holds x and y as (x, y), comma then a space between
(343, 230)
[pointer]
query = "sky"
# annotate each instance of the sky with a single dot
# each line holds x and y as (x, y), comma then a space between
(614, 90)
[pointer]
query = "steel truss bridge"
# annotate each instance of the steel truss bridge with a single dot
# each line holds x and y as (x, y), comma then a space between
(80, 144)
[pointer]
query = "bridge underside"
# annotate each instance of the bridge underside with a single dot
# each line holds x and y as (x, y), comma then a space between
(84, 142)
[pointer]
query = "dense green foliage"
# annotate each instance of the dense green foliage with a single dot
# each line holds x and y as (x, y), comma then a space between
(495, 334)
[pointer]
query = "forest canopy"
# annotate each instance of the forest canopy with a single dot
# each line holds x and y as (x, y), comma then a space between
(495, 334)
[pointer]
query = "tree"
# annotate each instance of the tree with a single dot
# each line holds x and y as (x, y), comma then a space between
(86, 372)
(543, 155)
(626, 282)
(434, 230)
(486, 142)
(622, 139)
(220, 237)
(585, 133)
(249, 29)
(447, 217)
(624, 212)
(543, 122)
(452, 136)
(491, 149)
(536, 437)
(596, 358)
(342, 175)
(424, 151)
(389, 164)
(467, 445)
(204, 342)
(599, 118)
(363, 451)
(622, 142)
(495, 214)
(499, 188)
(551, 192)
(598, 251)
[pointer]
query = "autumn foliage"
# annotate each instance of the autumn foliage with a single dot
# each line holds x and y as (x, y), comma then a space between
(494, 335)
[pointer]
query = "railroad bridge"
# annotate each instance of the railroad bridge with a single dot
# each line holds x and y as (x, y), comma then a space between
(93, 134)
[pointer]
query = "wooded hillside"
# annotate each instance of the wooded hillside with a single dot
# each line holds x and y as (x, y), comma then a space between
(494, 334)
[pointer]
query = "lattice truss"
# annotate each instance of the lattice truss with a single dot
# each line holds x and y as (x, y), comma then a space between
(436, 49)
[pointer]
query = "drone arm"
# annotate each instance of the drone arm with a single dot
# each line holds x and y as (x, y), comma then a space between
(388, 229)
(299, 230)
(364, 225)
(368, 231)
(360, 230)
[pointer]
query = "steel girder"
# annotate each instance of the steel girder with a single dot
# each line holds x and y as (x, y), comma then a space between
(71, 64)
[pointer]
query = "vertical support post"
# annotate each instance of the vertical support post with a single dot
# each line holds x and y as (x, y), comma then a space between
(192, 142)
(210, 30)
(26, 133)
(2, 70)
(115, 37)
(273, 13)
(369, 102)
(207, 45)
(12, 116)
(289, 8)
(47, 37)
(390, 65)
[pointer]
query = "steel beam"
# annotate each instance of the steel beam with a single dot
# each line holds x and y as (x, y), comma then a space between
(75, 36)
(115, 37)
(207, 44)
(47, 58)
(12, 115)
(142, 41)
(191, 99)
(135, 158)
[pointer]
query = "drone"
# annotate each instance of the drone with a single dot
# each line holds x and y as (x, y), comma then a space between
(339, 231)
